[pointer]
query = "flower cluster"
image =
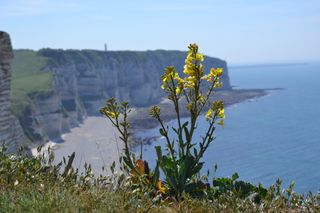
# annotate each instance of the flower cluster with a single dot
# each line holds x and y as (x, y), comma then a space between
(214, 77)
(111, 110)
(194, 71)
(216, 111)
(193, 67)
(154, 111)
(172, 81)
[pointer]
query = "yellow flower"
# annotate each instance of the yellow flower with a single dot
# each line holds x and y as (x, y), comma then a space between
(217, 105)
(189, 85)
(199, 57)
(218, 109)
(201, 67)
(201, 98)
(216, 72)
(188, 70)
(180, 82)
(207, 78)
(178, 90)
(209, 114)
(191, 79)
(111, 114)
(192, 65)
(165, 78)
(190, 82)
(160, 187)
(189, 106)
(220, 113)
(221, 122)
(164, 82)
(171, 77)
(217, 84)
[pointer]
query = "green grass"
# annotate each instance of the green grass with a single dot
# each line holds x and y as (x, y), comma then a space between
(28, 78)
(37, 185)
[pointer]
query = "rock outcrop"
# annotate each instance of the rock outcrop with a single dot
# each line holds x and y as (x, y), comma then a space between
(10, 130)
(83, 80)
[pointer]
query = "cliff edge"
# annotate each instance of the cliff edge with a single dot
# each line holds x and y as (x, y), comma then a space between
(10, 130)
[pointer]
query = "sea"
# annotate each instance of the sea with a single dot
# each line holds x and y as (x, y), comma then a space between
(275, 136)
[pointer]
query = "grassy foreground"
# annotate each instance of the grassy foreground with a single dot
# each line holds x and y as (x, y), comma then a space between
(37, 185)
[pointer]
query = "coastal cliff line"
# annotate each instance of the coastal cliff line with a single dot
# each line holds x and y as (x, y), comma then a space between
(10, 130)
(79, 82)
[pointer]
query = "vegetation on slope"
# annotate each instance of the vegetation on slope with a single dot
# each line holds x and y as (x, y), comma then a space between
(28, 79)
(36, 184)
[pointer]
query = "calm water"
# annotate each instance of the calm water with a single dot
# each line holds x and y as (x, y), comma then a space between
(275, 136)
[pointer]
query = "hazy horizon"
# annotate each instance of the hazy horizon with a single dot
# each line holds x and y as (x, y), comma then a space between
(238, 32)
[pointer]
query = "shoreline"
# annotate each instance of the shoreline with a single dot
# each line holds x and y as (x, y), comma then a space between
(141, 120)
(97, 143)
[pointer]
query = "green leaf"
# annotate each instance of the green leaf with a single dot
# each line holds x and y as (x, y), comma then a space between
(187, 134)
(168, 167)
(195, 152)
(185, 124)
(235, 176)
(159, 152)
(156, 175)
(162, 132)
(188, 169)
(175, 130)
(69, 164)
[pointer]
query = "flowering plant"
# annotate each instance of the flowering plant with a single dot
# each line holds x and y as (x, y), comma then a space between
(182, 162)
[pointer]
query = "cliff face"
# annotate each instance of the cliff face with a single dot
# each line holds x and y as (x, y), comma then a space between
(93, 76)
(83, 80)
(10, 130)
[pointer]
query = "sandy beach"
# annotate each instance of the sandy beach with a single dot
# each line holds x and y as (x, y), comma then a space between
(95, 142)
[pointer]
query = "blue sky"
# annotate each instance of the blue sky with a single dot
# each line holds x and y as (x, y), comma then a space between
(239, 31)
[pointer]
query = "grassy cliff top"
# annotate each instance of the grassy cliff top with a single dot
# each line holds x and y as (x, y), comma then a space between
(28, 78)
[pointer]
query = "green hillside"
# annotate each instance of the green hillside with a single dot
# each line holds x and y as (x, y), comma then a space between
(28, 78)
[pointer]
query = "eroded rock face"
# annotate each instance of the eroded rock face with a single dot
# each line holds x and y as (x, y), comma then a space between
(84, 79)
(90, 77)
(10, 130)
